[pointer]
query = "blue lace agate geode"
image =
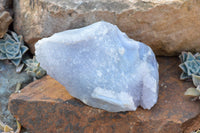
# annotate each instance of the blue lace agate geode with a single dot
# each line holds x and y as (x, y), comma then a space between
(102, 67)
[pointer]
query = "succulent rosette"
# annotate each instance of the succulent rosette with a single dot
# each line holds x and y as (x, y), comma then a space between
(190, 64)
(33, 68)
(12, 48)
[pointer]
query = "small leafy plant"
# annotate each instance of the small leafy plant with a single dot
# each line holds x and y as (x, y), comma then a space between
(12, 48)
(196, 131)
(190, 64)
(7, 129)
(195, 92)
(33, 68)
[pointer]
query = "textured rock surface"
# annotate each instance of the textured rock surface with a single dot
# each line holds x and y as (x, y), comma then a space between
(46, 106)
(7, 4)
(5, 20)
(8, 81)
(100, 65)
(167, 26)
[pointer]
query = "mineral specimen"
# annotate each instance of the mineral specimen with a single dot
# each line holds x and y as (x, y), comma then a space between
(102, 67)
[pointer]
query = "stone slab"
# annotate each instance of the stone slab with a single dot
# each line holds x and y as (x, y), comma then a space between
(167, 26)
(46, 106)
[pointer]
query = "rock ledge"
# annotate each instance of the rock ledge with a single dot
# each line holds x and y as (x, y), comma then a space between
(46, 106)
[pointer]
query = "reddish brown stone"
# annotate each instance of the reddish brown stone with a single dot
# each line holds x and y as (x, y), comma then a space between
(5, 20)
(46, 106)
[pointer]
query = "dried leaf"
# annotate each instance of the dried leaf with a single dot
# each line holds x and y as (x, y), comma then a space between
(18, 87)
(196, 80)
(18, 127)
(7, 128)
(19, 68)
(192, 92)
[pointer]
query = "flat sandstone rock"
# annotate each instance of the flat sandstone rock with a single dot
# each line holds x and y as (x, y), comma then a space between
(167, 26)
(46, 106)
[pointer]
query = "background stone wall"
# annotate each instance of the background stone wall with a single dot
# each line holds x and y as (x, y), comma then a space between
(167, 26)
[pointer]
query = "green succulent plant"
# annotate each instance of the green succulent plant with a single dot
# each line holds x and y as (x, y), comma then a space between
(196, 131)
(33, 68)
(195, 92)
(12, 48)
(190, 64)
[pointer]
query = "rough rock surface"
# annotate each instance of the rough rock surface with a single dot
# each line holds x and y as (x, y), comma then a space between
(5, 20)
(46, 106)
(100, 65)
(7, 4)
(8, 81)
(167, 26)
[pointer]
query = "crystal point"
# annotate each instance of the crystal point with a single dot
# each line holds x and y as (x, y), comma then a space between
(102, 67)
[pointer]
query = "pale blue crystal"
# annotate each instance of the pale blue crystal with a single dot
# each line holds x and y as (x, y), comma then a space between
(102, 67)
